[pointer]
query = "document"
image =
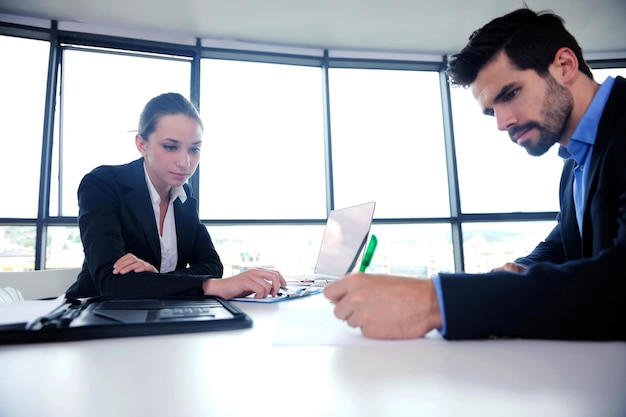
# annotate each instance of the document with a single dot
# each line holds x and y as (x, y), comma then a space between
(313, 323)
(27, 311)
(285, 294)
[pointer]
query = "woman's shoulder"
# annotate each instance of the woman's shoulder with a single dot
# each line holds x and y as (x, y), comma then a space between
(115, 170)
(115, 176)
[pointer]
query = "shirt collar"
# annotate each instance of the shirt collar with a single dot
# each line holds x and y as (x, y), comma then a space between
(585, 133)
(175, 192)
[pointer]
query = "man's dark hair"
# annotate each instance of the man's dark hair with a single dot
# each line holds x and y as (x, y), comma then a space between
(529, 39)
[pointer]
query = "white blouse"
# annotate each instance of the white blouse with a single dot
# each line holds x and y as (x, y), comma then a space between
(169, 247)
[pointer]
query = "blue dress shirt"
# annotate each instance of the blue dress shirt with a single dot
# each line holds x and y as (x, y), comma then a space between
(580, 146)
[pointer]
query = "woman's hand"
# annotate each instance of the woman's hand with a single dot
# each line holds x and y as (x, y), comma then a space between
(130, 262)
(260, 282)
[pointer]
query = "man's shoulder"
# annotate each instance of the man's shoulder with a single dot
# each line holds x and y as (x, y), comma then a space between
(614, 114)
(621, 81)
(619, 90)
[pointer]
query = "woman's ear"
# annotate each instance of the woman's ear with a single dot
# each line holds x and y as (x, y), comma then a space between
(140, 143)
(564, 67)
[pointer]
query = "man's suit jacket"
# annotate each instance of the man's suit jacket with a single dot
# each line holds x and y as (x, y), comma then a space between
(574, 288)
(116, 217)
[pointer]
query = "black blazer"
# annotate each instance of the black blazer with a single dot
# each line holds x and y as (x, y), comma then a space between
(573, 288)
(116, 217)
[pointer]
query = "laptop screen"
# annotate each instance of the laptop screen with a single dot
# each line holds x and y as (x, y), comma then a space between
(344, 237)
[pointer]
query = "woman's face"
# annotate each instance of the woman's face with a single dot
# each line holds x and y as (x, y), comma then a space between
(172, 151)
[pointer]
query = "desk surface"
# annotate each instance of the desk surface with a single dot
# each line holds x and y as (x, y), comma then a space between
(298, 360)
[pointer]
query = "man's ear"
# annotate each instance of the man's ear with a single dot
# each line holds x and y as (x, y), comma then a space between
(565, 65)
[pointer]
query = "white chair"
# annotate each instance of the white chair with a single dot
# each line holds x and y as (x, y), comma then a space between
(33, 285)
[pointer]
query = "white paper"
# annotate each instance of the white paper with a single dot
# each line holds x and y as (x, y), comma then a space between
(28, 310)
(316, 325)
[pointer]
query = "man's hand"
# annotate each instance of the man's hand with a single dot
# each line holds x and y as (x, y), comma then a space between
(511, 267)
(130, 262)
(385, 306)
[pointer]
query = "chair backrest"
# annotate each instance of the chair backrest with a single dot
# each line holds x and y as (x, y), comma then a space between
(46, 283)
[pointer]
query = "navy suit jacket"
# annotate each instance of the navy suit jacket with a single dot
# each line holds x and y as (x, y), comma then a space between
(574, 288)
(116, 217)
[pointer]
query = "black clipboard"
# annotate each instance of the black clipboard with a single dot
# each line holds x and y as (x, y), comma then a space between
(107, 317)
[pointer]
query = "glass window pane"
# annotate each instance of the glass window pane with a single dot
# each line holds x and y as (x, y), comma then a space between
(64, 248)
(409, 250)
(414, 250)
(490, 245)
(388, 143)
(263, 143)
(23, 76)
(496, 175)
(600, 74)
(17, 248)
(103, 96)
(292, 250)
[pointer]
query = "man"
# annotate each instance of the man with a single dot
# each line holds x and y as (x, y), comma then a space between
(527, 71)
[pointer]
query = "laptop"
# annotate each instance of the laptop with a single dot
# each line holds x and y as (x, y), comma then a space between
(344, 238)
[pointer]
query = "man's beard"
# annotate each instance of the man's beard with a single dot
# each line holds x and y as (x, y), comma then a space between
(556, 110)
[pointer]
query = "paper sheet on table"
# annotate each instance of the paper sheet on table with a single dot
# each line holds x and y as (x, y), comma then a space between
(284, 297)
(317, 326)
(28, 310)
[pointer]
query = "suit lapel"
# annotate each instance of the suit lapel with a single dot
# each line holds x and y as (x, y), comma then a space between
(137, 199)
(569, 224)
(613, 112)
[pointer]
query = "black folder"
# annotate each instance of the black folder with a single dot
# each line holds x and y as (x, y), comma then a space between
(105, 317)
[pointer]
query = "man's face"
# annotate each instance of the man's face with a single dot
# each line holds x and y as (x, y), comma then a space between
(533, 110)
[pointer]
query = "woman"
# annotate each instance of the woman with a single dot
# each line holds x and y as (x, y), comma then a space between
(139, 224)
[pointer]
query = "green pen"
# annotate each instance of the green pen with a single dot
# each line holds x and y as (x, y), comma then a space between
(369, 252)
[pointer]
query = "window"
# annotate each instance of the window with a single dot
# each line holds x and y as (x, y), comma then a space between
(600, 74)
(17, 248)
(263, 177)
(387, 141)
(64, 247)
(292, 250)
(23, 84)
(490, 245)
(417, 250)
(496, 175)
(103, 94)
(23, 76)
(409, 250)
(263, 142)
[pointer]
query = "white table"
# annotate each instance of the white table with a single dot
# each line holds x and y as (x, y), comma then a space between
(298, 360)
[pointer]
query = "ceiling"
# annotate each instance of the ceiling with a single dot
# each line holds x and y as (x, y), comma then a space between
(400, 26)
